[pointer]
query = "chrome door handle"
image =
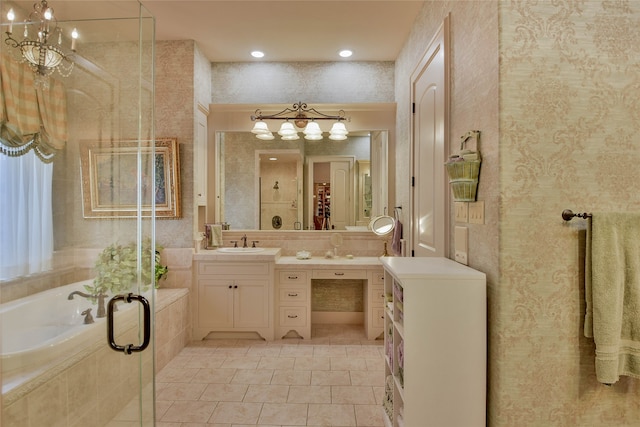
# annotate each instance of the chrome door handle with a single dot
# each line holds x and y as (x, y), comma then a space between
(129, 348)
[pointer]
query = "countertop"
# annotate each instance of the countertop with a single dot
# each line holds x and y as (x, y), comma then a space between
(322, 262)
(267, 254)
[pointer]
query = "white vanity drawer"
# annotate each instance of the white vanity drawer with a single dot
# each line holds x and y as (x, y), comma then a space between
(339, 274)
(293, 277)
(293, 316)
(377, 296)
(378, 278)
(244, 268)
(378, 317)
(293, 295)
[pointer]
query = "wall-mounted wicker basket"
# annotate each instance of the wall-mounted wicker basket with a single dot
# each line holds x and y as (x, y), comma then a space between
(463, 174)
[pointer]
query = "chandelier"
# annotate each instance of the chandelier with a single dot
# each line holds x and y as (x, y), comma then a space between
(301, 117)
(43, 57)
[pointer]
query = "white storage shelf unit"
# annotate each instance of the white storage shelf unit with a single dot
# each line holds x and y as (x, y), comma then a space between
(435, 343)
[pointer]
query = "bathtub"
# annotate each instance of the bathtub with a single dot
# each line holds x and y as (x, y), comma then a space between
(47, 329)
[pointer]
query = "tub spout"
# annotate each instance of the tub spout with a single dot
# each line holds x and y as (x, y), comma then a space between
(102, 312)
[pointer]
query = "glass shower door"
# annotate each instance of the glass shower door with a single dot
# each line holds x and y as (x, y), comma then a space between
(57, 366)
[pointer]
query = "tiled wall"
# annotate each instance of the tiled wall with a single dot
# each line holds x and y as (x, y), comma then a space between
(93, 389)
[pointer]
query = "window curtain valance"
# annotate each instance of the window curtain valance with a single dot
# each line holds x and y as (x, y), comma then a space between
(32, 118)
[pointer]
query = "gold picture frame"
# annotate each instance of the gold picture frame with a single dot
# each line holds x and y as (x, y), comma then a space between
(110, 179)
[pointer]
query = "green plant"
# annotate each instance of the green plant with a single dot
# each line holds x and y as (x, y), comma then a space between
(117, 268)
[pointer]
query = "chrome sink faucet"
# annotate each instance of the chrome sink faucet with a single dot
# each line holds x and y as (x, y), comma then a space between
(244, 241)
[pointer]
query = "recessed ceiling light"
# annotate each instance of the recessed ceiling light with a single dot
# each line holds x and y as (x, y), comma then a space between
(345, 53)
(257, 54)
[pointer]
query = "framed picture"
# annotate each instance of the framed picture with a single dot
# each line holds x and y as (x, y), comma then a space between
(118, 179)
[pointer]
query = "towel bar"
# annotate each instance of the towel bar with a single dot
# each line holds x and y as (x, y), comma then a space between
(568, 215)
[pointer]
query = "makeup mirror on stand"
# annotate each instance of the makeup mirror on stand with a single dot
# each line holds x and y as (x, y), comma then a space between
(381, 226)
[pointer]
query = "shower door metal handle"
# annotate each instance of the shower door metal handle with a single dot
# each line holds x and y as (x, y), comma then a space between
(129, 348)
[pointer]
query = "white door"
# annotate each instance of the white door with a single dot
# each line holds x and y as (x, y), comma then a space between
(341, 194)
(429, 149)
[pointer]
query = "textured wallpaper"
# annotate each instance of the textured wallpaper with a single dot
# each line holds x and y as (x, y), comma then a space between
(569, 120)
(553, 86)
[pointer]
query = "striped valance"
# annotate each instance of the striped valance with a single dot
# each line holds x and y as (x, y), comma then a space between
(31, 118)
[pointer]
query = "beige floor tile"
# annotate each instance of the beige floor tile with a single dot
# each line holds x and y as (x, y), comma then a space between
(329, 351)
(161, 407)
(309, 394)
(270, 362)
(176, 375)
(189, 411)
(290, 414)
(336, 378)
(330, 378)
(296, 351)
(372, 378)
(236, 413)
(241, 362)
(362, 351)
(310, 363)
(267, 393)
(265, 351)
(291, 377)
(369, 415)
(181, 391)
(224, 392)
(214, 375)
(348, 394)
(375, 364)
(205, 361)
(378, 392)
(348, 364)
(331, 415)
(252, 376)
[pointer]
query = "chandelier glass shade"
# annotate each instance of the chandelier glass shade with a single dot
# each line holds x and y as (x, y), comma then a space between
(299, 117)
(36, 48)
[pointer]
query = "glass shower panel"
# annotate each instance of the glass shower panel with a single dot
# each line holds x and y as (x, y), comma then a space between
(103, 198)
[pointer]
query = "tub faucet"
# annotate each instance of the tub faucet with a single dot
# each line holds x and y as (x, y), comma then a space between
(100, 297)
(244, 241)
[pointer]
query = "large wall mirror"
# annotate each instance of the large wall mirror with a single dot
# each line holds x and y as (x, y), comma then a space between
(299, 185)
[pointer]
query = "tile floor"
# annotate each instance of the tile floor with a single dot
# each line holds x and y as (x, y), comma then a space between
(334, 379)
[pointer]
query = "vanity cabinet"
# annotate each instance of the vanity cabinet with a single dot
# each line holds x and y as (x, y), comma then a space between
(435, 343)
(294, 281)
(374, 320)
(293, 304)
(234, 297)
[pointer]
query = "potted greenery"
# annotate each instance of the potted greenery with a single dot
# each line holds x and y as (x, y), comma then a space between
(116, 269)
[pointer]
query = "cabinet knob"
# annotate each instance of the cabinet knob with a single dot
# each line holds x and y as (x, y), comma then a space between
(292, 316)
(293, 295)
(230, 286)
(235, 287)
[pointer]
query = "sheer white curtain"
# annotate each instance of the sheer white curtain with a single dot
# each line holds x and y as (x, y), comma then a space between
(26, 219)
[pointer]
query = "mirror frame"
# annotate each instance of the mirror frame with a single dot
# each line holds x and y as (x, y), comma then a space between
(236, 118)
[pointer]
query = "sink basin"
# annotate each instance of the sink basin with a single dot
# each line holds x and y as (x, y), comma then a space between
(240, 250)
